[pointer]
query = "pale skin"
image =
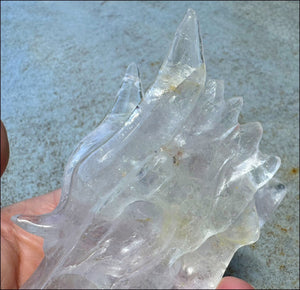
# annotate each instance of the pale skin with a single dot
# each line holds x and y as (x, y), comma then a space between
(22, 252)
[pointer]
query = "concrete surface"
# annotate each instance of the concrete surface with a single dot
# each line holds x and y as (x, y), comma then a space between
(62, 64)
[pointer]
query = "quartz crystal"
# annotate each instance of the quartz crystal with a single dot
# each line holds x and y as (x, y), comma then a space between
(165, 190)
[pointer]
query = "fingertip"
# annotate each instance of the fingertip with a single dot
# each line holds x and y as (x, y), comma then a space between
(233, 283)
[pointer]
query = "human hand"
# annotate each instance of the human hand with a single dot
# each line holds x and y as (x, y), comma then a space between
(22, 252)
(233, 283)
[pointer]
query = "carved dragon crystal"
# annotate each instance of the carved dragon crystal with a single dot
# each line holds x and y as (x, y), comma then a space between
(165, 190)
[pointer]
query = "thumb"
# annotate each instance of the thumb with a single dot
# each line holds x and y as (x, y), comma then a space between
(233, 283)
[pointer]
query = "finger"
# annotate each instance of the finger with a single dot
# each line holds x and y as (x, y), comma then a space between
(34, 206)
(233, 283)
(4, 148)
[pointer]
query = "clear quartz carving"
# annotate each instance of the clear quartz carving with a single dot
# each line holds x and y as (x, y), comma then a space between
(165, 190)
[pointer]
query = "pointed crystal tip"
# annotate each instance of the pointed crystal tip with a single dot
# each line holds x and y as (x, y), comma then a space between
(132, 70)
(130, 93)
(187, 45)
(190, 13)
(184, 57)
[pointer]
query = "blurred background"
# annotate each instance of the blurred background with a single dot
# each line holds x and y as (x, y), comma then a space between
(62, 64)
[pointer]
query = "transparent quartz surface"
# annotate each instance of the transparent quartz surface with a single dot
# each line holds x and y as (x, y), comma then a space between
(165, 190)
